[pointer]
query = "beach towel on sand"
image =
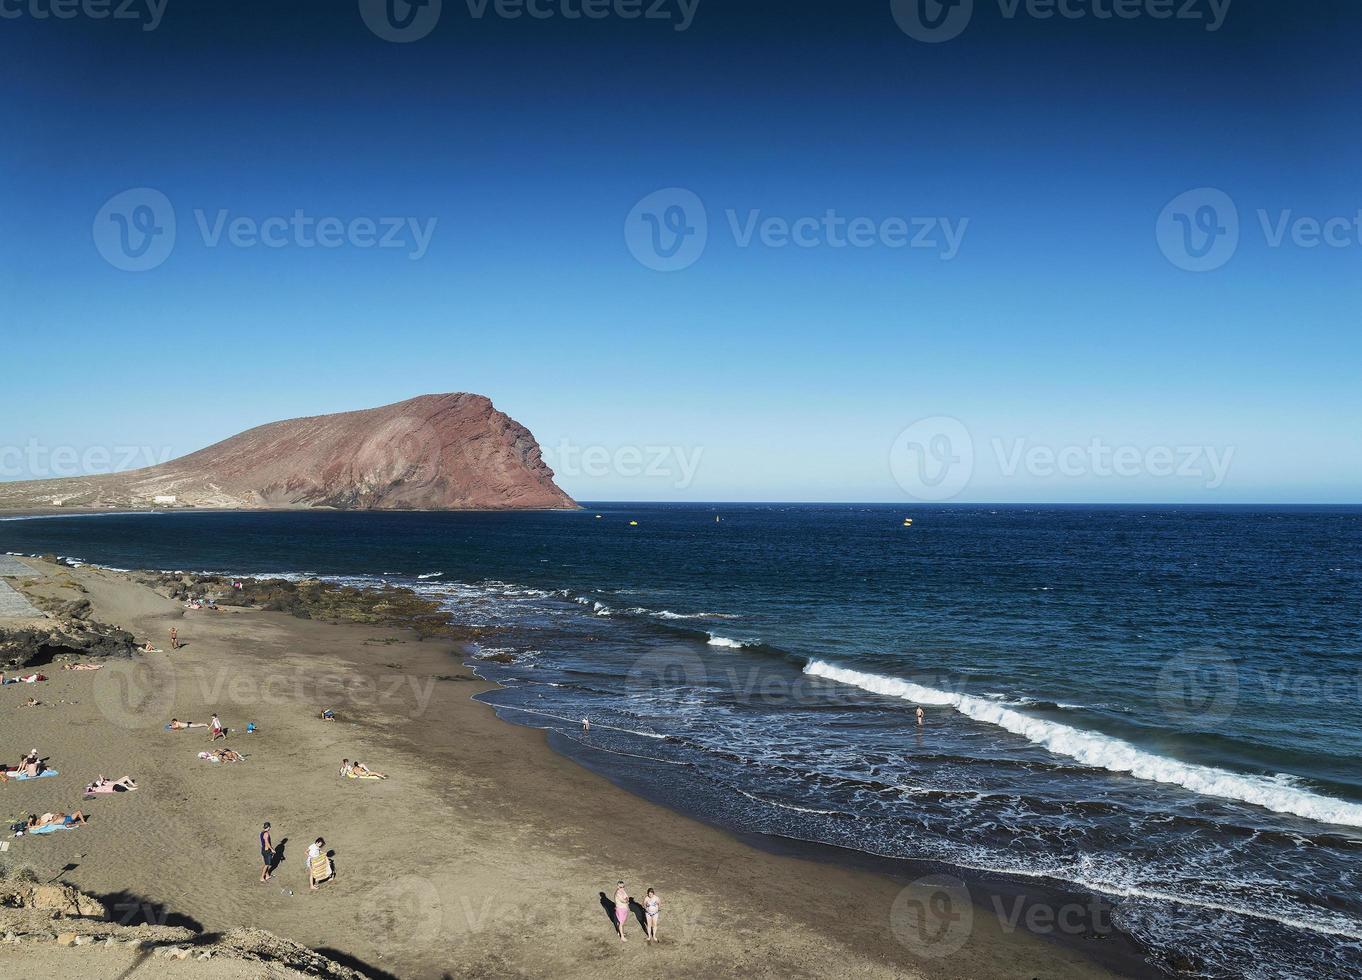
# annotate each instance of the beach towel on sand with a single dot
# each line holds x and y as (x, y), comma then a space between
(320, 867)
(360, 775)
(49, 828)
(45, 772)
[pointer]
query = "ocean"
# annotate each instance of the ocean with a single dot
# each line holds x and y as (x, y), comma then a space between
(1158, 705)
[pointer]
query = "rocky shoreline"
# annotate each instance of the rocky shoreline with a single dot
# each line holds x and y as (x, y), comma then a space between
(53, 920)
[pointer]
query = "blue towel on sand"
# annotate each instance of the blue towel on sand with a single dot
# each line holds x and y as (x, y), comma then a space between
(48, 829)
(45, 772)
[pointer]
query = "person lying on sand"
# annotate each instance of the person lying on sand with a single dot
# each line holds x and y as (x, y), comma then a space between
(148, 648)
(328, 715)
(25, 679)
(178, 726)
(47, 819)
(360, 769)
(81, 666)
(102, 785)
(223, 755)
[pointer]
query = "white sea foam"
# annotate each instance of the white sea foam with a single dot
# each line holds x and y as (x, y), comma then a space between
(430, 575)
(668, 614)
(723, 641)
(1104, 752)
(786, 806)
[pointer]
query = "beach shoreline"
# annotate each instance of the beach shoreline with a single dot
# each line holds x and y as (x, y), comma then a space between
(487, 851)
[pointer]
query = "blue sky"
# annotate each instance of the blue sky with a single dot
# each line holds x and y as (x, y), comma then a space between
(758, 372)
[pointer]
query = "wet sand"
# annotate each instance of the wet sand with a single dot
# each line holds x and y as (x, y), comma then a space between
(485, 853)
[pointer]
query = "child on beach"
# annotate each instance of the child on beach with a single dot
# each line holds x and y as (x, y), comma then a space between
(218, 731)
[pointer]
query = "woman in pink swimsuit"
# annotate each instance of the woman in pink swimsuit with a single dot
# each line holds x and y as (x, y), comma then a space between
(621, 910)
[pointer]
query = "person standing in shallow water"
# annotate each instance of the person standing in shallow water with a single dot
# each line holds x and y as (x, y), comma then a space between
(621, 910)
(920, 714)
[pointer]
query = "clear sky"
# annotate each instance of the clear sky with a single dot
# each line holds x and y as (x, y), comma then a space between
(1053, 314)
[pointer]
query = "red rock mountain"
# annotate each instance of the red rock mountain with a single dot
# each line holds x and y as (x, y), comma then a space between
(435, 452)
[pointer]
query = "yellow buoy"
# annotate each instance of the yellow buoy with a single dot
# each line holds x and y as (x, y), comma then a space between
(633, 523)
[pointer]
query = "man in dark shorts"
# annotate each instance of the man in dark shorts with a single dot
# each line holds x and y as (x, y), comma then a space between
(266, 853)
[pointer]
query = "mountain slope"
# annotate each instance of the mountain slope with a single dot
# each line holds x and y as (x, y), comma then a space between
(435, 452)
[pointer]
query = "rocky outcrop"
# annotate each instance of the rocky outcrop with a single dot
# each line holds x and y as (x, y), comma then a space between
(64, 639)
(435, 452)
(55, 930)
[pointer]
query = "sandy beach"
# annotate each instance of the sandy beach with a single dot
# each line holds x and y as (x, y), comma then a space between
(485, 853)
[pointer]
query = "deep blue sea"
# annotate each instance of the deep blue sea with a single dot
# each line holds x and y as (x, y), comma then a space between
(1162, 705)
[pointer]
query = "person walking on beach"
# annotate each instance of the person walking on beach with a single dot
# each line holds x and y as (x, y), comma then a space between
(266, 853)
(651, 906)
(586, 725)
(622, 901)
(920, 714)
(217, 730)
(174, 638)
